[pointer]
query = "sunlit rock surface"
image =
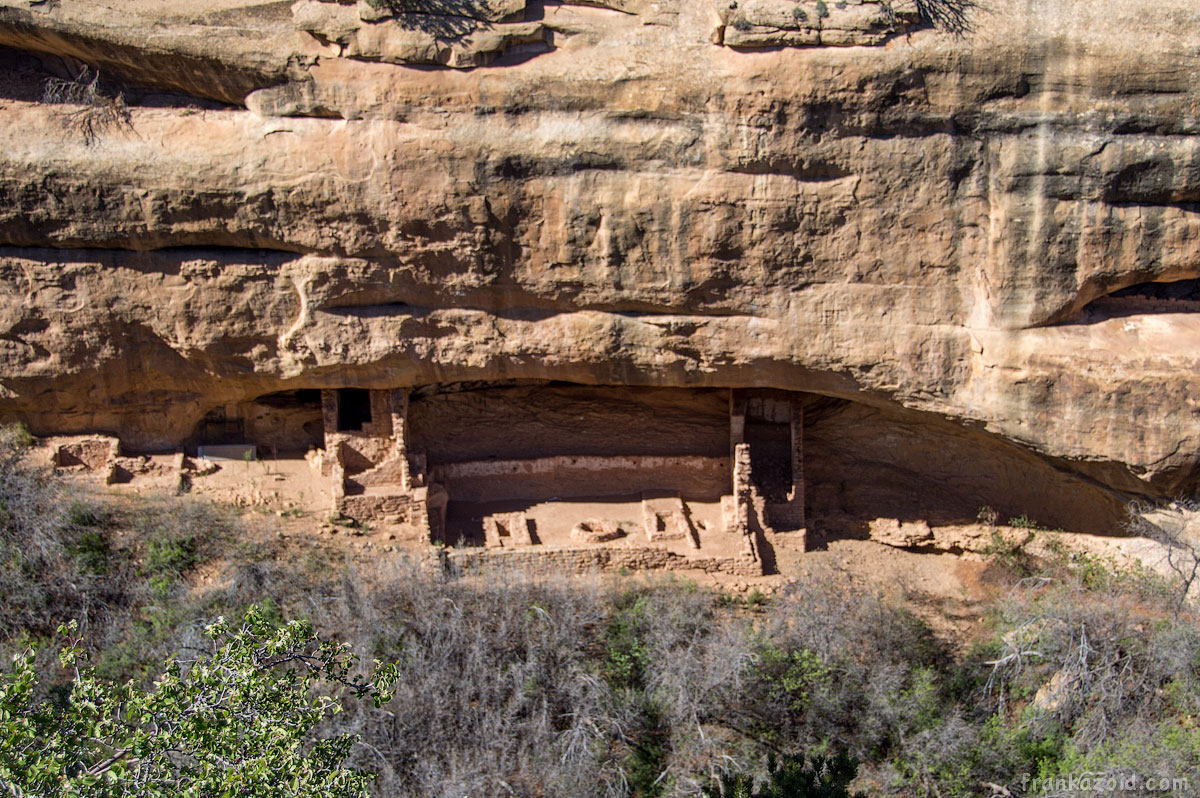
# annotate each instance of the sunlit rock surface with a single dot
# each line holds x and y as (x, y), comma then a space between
(937, 228)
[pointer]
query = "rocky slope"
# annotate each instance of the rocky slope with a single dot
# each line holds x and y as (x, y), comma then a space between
(832, 198)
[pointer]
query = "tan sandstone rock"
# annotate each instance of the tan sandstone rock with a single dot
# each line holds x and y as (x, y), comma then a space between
(902, 534)
(925, 234)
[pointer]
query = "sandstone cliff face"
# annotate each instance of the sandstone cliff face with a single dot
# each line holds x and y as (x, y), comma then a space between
(669, 193)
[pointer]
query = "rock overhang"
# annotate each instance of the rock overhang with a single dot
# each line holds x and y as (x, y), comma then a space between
(913, 224)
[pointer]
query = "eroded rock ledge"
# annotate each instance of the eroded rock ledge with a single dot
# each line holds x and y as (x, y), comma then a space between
(227, 49)
(785, 23)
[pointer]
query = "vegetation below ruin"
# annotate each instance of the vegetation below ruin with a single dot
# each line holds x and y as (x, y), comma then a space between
(633, 687)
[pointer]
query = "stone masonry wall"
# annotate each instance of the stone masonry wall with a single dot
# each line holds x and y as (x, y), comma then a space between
(567, 475)
(366, 507)
(565, 561)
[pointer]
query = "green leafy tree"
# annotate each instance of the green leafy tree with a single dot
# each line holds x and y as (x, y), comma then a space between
(237, 722)
(825, 777)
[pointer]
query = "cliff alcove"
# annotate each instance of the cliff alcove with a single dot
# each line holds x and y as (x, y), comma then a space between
(923, 254)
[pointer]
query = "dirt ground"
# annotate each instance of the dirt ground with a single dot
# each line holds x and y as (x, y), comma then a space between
(285, 505)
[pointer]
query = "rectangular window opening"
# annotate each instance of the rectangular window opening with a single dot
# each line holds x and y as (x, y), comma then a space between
(354, 409)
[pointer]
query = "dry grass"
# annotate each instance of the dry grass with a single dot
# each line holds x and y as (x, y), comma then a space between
(512, 685)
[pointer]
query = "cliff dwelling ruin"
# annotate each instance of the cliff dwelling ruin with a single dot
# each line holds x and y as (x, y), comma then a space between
(634, 477)
(602, 476)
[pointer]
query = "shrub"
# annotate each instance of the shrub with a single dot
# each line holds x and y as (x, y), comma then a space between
(35, 564)
(953, 16)
(626, 653)
(791, 675)
(514, 684)
(92, 552)
(1176, 527)
(1011, 556)
(240, 719)
(170, 554)
(82, 514)
(824, 777)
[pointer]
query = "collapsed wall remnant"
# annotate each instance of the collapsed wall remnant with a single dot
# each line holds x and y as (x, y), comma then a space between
(101, 455)
(596, 530)
(88, 453)
(507, 530)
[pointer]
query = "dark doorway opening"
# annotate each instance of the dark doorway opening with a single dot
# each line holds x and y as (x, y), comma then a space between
(217, 429)
(770, 458)
(354, 409)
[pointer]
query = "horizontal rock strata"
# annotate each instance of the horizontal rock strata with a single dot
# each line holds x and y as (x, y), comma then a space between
(855, 206)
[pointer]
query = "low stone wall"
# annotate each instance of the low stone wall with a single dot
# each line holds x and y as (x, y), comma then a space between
(566, 476)
(94, 454)
(366, 507)
(590, 560)
(785, 515)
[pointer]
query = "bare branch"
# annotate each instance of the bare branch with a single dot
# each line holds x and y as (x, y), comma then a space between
(97, 113)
